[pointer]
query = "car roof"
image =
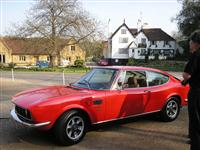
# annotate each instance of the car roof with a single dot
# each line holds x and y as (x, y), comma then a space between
(133, 68)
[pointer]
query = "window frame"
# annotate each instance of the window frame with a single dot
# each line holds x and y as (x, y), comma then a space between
(123, 76)
(123, 40)
(122, 51)
(124, 72)
(22, 58)
(74, 48)
(90, 74)
(48, 58)
(123, 31)
(147, 74)
(143, 40)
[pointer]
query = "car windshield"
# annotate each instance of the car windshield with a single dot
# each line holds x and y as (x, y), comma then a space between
(97, 79)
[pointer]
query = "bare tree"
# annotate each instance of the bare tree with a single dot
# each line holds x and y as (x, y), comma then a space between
(53, 20)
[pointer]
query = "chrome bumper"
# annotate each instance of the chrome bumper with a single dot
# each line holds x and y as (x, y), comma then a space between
(15, 117)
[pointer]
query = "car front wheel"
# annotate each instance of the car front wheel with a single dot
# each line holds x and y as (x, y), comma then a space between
(70, 128)
(171, 110)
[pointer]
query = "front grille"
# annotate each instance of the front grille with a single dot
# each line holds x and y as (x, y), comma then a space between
(23, 114)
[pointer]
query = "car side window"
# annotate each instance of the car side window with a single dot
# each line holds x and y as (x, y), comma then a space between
(155, 79)
(135, 79)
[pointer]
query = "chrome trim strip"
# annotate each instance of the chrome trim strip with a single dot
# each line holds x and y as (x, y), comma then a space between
(127, 117)
(15, 117)
(23, 117)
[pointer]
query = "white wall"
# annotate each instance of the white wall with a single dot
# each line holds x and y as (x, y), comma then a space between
(116, 45)
(141, 36)
(160, 45)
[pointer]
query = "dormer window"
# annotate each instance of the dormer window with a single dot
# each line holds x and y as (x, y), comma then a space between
(123, 40)
(123, 31)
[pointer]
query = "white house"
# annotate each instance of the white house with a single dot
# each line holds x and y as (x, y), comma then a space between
(127, 43)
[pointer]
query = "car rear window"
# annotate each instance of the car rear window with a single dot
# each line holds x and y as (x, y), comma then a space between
(155, 79)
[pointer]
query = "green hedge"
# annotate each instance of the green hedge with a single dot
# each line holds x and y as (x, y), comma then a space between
(161, 64)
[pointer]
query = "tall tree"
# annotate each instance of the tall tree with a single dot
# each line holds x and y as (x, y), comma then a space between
(188, 18)
(53, 20)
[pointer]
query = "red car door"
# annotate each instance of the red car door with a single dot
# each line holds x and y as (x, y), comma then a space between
(159, 89)
(127, 101)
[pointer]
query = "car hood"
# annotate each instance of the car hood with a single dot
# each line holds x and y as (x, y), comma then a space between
(33, 96)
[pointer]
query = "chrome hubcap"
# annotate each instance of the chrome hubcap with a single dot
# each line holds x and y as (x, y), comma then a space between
(172, 109)
(75, 127)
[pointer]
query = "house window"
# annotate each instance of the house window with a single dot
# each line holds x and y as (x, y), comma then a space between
(78, 58)
(73, 48)
(48, 58)
(143, 52)
(123, 50)
(2, 58)
(68, 58)
(22, 58)
(153, 42)
(123, 40)
(123, 31)
(143, 40)
(166, 43)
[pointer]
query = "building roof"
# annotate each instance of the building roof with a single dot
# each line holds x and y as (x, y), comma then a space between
(133, 30)
(157, 34)
(31, 46)
(153, 34)
(124, 24)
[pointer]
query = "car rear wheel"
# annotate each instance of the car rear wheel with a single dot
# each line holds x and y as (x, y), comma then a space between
(70, 128)
(171, 110)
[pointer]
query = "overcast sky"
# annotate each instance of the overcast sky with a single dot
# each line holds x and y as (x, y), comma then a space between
(157, 13)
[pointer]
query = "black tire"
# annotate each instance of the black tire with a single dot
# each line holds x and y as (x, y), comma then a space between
(170, 110)
(65, 125)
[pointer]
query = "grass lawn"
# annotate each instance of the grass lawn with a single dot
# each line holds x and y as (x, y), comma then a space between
(164, 65)
(66, 70)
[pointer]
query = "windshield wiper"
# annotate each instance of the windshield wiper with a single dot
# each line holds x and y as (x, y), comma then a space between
(85, 83)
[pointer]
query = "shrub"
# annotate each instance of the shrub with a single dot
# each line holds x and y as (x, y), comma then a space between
(11, 65)
(131, 62)
(79, 63)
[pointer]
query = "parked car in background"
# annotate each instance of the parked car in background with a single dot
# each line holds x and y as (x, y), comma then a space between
(103, 62)
(42, 64)
(103, 94)
(65, 63)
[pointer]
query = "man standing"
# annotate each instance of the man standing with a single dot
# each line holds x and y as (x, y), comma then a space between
(192, 75)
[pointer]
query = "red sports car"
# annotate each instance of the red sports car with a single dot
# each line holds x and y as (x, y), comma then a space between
(104, 94)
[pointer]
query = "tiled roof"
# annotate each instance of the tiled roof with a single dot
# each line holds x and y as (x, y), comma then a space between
(30, 46)
(154, 34)
(133, 30)
(157, 34)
